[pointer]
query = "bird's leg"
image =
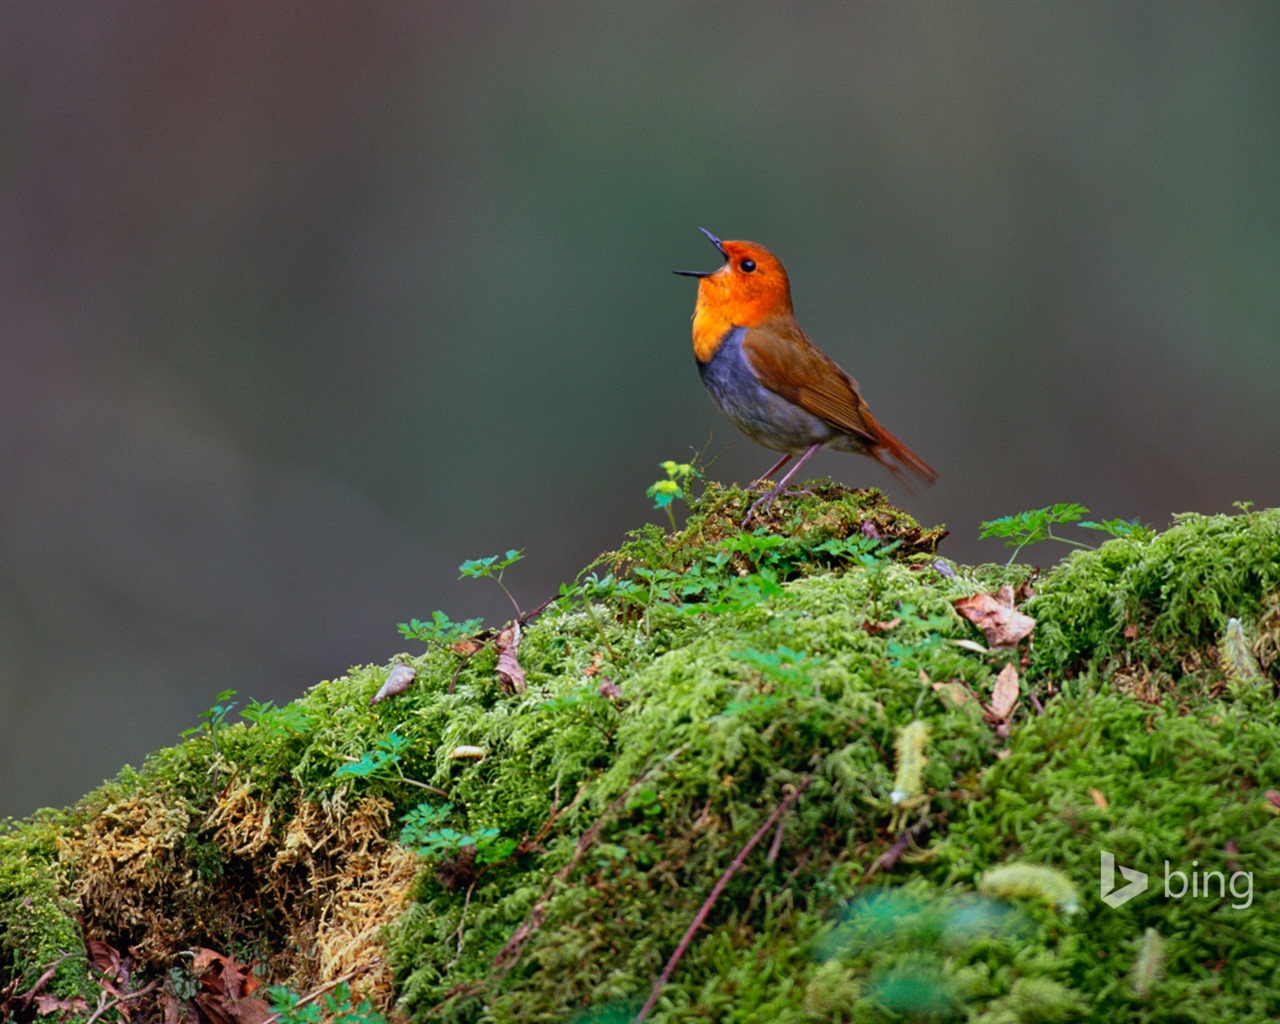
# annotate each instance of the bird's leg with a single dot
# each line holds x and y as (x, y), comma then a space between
(768, 473)
(767, 500)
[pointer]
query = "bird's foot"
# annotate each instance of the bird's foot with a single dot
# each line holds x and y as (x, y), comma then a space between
(766, 500)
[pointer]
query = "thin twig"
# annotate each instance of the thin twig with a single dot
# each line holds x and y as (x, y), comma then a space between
(891, 856)
(111, 1004)
(30, 994)
(510, 953)
(716, 890)
(462, 917)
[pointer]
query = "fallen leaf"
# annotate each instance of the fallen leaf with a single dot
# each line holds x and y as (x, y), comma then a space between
(509, 670)
(104, 957)
(398, 680)
(1131, 632)
(466, 647)
(873, 628)
(47, 1004)
(1098, 798)
(610, 689)
(1000, 622)
(460, 870)
(1004, 696)
(225, 1010)
(225, 985)
(957, 693)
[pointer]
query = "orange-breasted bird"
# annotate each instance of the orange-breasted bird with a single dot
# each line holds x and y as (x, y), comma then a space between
(764, 373)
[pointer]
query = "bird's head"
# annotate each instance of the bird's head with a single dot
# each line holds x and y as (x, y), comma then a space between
(748, 289)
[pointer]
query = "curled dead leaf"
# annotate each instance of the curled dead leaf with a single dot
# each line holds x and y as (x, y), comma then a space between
(610, 689)
(398, 680)
(1000, 622)
(1004, 696)
(953, 692)
(508, 669)
(47, 1004)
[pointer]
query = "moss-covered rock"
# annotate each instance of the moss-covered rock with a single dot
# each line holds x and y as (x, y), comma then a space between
(795, 721)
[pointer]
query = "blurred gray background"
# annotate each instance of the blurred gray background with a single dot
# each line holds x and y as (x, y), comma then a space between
(301, 305)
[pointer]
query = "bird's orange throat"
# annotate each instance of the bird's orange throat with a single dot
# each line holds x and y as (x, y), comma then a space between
(710, 324)
(727, 300)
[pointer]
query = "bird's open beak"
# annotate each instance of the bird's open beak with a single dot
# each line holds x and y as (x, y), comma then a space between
(700, 273)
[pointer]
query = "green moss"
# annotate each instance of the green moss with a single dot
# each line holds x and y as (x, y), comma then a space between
(741, 668)
(37, 918)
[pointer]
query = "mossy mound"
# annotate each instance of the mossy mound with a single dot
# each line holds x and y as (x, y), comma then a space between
(776, 753)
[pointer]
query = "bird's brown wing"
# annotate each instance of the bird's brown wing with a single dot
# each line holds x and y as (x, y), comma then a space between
(788, 363)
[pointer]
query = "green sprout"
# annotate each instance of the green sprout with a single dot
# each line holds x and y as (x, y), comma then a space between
(1037, 525)
(493, 567)
(420, 832)
(383, 762)
(664, 492)
(214, 718)
(441, 631)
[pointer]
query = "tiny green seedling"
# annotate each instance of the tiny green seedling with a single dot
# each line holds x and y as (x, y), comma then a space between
(420, 832)
(334, 1007)
(1037, 525)
(285, 721)
(441, 631)
(383, 762)
(214, 719)
(493, 567)
(664, 492)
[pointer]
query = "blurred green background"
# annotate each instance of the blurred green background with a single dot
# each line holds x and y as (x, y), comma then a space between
(304, 304)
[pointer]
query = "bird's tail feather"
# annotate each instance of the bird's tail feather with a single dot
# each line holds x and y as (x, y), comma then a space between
(896, 456)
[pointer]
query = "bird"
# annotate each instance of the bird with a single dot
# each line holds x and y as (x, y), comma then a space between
(773, 383)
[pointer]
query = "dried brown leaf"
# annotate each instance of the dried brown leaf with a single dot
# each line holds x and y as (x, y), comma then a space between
(508, 669)
(104, 957)
(1004, 696)
(1098, 798)
(610, 689)
(1000, 622)
(227, 1010)
(955, 692)
(398, 680)
(47, 1004)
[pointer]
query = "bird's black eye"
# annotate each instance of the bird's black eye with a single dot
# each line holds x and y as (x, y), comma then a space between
(747, 266)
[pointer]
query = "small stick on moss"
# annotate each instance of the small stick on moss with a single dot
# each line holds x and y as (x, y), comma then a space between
(700, 917)
(510, 953)
(891, 856)
(105, 1004)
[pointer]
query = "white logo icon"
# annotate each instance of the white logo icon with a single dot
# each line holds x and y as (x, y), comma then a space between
(1112, 896)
